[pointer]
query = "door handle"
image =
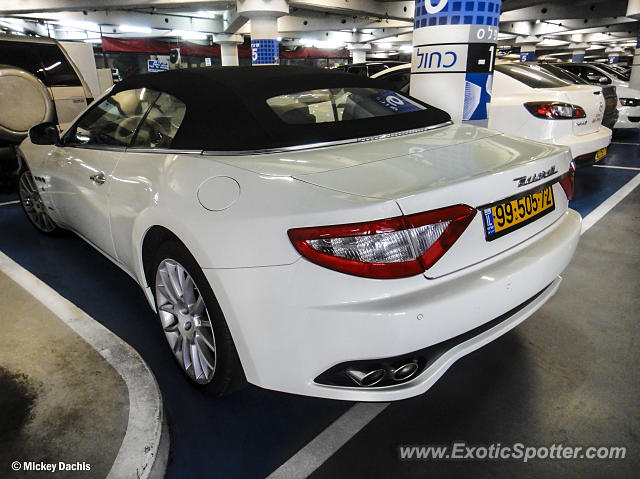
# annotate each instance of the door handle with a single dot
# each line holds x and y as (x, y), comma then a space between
(98, 178)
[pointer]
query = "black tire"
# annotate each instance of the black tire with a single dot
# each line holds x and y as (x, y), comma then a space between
(29, 200)
(228, 375)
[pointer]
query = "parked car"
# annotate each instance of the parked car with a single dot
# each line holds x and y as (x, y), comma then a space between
(610, 115)
(536, 105)
(38, 82)
(309, 230)
(602, 74)
(368, 69)
(519, 95)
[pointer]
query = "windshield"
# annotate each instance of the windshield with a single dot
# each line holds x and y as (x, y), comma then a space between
(532, 78)
(615, 72)
(340, 104)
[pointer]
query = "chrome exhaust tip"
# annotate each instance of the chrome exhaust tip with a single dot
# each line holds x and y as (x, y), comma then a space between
(404, 372)
(366, 378)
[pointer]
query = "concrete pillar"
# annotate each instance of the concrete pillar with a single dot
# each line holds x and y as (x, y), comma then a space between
(228, 48)
(359, 52)
(263, 17)
(578, 55)
(635, 67)
(528, 53)
(454, 54)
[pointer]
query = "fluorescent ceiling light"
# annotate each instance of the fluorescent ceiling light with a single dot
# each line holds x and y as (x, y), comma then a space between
(79, 25)
(13, 23)
(328, 44)
(384, 46)
(188, 34)
(93, 40)
(134, 29)
(549, 42)
(406, 48)
(208, 13)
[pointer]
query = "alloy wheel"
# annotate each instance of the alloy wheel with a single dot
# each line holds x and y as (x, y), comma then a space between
(33, 205)
(185, 321)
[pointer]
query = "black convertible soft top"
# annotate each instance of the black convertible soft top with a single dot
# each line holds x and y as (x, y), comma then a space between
(226, 107)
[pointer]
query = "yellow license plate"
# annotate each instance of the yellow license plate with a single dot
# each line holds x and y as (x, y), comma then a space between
(601, 153)
(518, 211)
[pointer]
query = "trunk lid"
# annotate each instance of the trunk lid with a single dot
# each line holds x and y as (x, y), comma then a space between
(451, 165)
(591, 99)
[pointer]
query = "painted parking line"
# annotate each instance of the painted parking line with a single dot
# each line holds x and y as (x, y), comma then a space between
(624, 143)
(618, 167)
(6, 203)
(314, 454)
(329, 441)
(608, 204)
(145, 448)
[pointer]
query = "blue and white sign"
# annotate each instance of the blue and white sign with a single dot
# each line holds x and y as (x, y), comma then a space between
(457, 12)
(157, 66)
(613, 59)
(391, 101)
(527, 56)
(477, 95)
(265, 52)
(454, 54)
(440, 58)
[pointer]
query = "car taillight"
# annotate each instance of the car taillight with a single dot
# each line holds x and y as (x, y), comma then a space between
(567, 181)
(555, 110)
(384, 249)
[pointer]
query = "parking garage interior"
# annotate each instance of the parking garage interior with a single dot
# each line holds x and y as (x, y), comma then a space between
(88, 386)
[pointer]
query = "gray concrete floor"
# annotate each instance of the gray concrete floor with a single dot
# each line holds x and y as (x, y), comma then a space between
(59, 399)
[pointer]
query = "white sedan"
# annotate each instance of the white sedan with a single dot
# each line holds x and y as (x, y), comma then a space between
(535, 105)
(604, 74)
(308, 231)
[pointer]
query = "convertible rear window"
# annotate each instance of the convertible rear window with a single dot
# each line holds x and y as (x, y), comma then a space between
(340, 104)
(532, 78)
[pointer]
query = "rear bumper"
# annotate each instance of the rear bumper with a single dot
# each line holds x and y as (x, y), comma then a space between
(291, 323)
(584, 144)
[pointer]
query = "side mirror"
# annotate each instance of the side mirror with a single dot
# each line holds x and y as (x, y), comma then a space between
(44, 134)
(604, 80)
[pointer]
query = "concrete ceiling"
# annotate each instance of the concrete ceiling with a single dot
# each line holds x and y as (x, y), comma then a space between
(556, 26)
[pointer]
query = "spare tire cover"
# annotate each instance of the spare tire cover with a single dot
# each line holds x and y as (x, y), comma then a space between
(24, 102)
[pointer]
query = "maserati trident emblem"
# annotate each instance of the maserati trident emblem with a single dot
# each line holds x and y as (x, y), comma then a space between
(527, 180)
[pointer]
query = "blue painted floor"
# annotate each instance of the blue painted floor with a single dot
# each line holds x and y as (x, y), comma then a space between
(252, 432)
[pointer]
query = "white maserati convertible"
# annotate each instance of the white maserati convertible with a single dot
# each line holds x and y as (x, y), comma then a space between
(304, 230)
